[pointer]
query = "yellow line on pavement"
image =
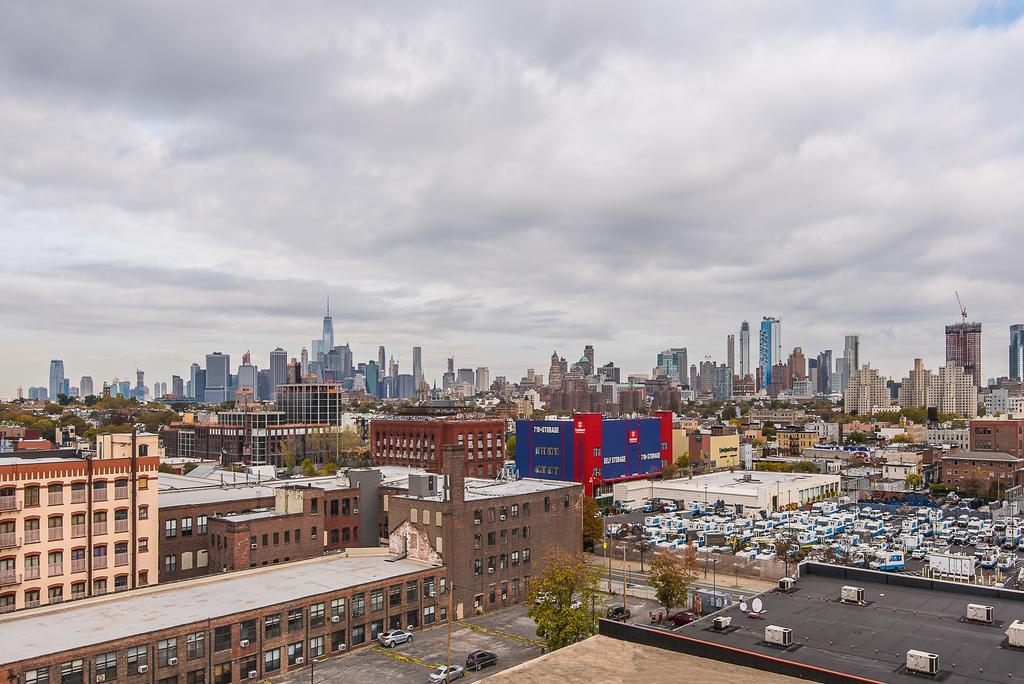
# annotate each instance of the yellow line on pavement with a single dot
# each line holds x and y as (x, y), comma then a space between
(401, 657)
(504, 635)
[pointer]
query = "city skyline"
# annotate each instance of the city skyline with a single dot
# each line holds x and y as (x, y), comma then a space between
(184, 204)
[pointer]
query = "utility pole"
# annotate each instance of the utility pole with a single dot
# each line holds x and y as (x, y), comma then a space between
(625, 576)
(447, 673)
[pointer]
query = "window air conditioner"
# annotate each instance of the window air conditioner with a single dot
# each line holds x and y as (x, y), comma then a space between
(143, 669)
(101, 677)
(172, 661)
(342, 647)
(253, 674)
(254, 546)
(300, 660)
(490, 570)
(335, 618)
(243, 643)
(504, 517)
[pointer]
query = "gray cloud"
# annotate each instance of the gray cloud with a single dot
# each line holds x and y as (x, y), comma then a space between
(496, 182)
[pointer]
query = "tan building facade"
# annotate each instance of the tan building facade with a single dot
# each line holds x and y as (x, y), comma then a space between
(119, 445)
(73, 527)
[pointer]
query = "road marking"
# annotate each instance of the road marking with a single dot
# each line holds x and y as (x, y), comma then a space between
(504, 635)
(401, 657)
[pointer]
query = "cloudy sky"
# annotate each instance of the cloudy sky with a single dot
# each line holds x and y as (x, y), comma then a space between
(499, 180)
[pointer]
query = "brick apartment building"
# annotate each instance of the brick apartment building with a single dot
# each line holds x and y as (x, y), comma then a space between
(986, 473)
(417, 442)
(254, 624)
(74, 527)
(208, 528)
(492, 535)
(1005, 436)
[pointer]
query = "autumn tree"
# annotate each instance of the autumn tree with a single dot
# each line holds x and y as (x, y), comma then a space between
(671, 578)
(561, 599)
(593, 523)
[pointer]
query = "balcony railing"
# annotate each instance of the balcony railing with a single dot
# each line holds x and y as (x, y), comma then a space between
(99, 528)
(8, 577)
(78, 496)
(32, 604)
(78, 565)
(31, 572)
(99, 495)
(55, 533)
(120, 559)
(8, 539)
(99, 562)
(6, 607)
(78, 530)
(120, 492)
(8, 503)
(55, 498)
(120, 526)
(75, 595)
(32, 536)
(54, 569)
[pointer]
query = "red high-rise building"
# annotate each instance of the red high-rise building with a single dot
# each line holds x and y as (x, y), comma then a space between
(963, 348)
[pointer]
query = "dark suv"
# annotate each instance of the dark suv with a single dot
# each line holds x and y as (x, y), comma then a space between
(619, 613)
(480, 659)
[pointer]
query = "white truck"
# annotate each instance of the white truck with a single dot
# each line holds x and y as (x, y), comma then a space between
(952, 565)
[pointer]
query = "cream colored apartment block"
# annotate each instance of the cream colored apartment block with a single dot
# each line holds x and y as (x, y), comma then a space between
(72, 527)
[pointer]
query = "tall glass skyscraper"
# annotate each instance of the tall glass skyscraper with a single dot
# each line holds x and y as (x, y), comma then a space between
(769, 346)
(56, 378)
(1016, 351)
(328, 336)
(745, 369)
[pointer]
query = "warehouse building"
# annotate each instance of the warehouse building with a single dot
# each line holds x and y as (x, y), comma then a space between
(253, 624)
(741, 491)
(593, 450)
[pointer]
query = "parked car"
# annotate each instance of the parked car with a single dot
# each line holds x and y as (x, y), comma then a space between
(393, 637)
(619, 613)
(447, 674)
(683, 617)
(480, 659)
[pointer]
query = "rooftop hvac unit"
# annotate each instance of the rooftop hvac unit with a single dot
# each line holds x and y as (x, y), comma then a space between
(780, 636)
(253, 674)
(335, 618)
(243, 643)
(786, 584)
(925, 663)
(143, 669)
(300, 660)
(720, 623)
(979, 613)
(1015, 632)
(852, 594)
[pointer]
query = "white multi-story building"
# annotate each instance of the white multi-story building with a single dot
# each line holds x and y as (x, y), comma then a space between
(866, 392)
(1000, 401)
(957, 437)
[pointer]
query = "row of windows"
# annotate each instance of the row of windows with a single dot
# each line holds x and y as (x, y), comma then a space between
(193, 647)
(504, 561)
(492, 592)
(55, 594)
(79, 490)
(502, 512)
(492, 536)
(171, 527)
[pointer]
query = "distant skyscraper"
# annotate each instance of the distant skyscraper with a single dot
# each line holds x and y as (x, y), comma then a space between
(278, 370)
(588, 354)
(373, 379)
(745, 368)
(730, 354)
(824, 366)
(417, 366)
(851, 350)
(693, 377)
(247, 376)
(85, 386)
(483, 379)
(769, 346)
(177, 386)
(1017, 351)
(328, 336)
(673, 363)
(963, 348)
(56, 379)
(217, 380)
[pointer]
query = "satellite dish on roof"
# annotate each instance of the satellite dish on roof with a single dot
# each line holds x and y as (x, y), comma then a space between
(743, 606)
(757, 605)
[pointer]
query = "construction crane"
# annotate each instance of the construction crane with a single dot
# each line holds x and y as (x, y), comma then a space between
(963, 309)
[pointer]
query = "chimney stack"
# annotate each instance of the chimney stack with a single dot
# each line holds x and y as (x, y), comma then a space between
(453, 465)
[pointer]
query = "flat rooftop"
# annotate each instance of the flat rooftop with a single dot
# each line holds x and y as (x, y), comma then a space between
(480, 488)
(733, 482)
(254, 515)
(213, 494)
(604, 659)
(980, 456)
(93, 621)
(871, 641)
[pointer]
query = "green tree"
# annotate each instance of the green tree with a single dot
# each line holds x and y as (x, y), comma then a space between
(804, 467)
(308, 468)
(914, 480)
(510, 448)
(561, 600)
(856, 438)
(165, 468)
(593, 523)
(188, 468)
(671, 577)
(288, 454)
